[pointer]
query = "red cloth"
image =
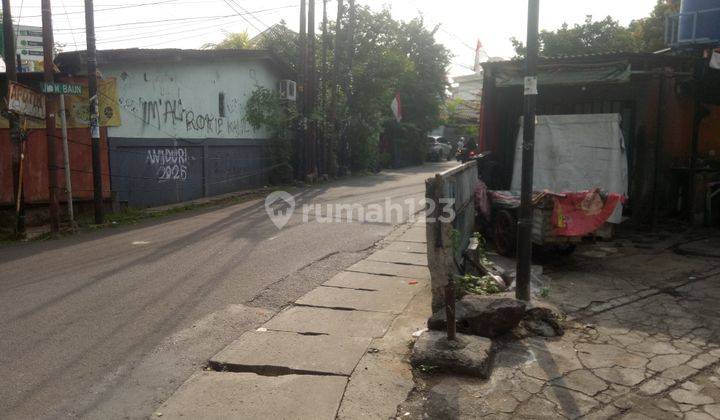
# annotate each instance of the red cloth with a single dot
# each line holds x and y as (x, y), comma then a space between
(581, 213)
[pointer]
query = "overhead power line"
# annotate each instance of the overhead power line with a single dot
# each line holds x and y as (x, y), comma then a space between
(127, 6)
(230, 5)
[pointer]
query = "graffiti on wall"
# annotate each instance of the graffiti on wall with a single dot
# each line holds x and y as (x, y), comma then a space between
(171, 114)
(169, 164)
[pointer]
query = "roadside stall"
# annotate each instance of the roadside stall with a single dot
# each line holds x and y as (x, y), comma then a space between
(580, 182)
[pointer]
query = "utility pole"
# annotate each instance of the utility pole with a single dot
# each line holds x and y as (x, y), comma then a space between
(311, 92)
(49, 76)
(524, 266)
(323, 155)
(302, 93)
(66, 163)
(17, 149)
(94, 119)
(333, 125)
(347, 84)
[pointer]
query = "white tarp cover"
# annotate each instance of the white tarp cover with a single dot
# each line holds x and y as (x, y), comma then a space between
(577, 153)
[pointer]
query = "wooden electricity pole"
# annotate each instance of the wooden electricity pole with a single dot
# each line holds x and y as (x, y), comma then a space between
(311, 93)
(525, 221)
(333, 125)
(323, 155)
(347, 85)
(302, 92)
(94, 118)
(49, 77)
(17, 149)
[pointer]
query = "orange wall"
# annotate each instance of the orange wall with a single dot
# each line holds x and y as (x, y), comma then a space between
(35, 171)
(709, 141)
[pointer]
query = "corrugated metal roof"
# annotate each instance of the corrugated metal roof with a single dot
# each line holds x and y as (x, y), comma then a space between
(596, 58)
(75, 61)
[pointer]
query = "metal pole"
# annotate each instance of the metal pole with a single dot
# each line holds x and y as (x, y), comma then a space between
(347, 87)
(15, 139)
(49, 76)
(522, 291)
(323, 157)
(658, 148)
(94, 121)
(66, 162)
(334, 85)
(302, 93)
(450, 308)
(310, 97)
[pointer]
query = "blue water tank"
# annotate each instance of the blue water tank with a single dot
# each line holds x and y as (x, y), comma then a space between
(700, 28)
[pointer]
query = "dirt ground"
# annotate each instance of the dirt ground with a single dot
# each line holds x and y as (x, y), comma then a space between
(642, 340)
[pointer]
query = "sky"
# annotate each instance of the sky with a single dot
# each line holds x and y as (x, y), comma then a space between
(193, 23)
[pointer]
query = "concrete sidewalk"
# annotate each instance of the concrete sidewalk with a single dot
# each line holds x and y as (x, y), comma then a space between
(339, 351)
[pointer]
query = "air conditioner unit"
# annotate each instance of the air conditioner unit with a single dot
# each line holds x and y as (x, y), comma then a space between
(288, 90)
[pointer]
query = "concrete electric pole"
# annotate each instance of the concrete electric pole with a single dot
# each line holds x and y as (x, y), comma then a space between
(525, 221)
(49, 77)
(94, 118)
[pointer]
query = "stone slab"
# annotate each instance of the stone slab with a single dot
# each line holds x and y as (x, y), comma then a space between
(355, 280)
(285, 352)
(709, 247)
(225, 395)
(330, 321)
(379, 384)
(393, 301)
(415, 234)
(416, 247)
(469, 354)
(390, 269)
(399, 257)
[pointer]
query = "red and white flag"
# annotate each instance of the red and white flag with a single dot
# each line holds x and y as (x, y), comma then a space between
(478, 50)
(396, 107)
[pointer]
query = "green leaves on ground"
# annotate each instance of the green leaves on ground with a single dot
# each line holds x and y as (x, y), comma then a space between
(484, 285)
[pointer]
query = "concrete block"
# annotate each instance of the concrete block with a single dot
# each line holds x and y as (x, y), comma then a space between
(399, 257)
(355, 280)
(415, 234)
(226, 395)
(390, 269)
(416, 247)
(379, 384)
(468, 354)
(287, 352)
(331, 321)
(362, 300)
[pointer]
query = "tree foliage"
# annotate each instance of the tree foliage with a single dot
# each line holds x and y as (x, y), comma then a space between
(393, 57)
(606, 35)
(266, 110)
(232, 41)
(650, 31)
(388, 56)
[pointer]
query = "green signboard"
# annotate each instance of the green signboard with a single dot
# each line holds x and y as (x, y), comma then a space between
(61, 88)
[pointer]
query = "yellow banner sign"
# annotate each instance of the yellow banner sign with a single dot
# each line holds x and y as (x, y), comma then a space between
(77, 108)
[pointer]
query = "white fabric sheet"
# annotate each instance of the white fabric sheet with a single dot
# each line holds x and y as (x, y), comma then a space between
(576, 153)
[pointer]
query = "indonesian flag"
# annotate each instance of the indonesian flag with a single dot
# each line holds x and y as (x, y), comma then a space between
(396, 107)
(478, 50)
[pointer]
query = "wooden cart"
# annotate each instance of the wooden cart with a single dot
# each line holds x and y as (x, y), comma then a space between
(504, 218)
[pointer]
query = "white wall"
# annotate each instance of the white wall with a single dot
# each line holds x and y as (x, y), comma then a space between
(181, 100)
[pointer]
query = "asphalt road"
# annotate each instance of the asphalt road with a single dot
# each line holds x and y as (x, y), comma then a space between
(108, 324)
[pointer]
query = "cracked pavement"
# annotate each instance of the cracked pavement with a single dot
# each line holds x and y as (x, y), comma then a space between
(642, 342)
(108, 324)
